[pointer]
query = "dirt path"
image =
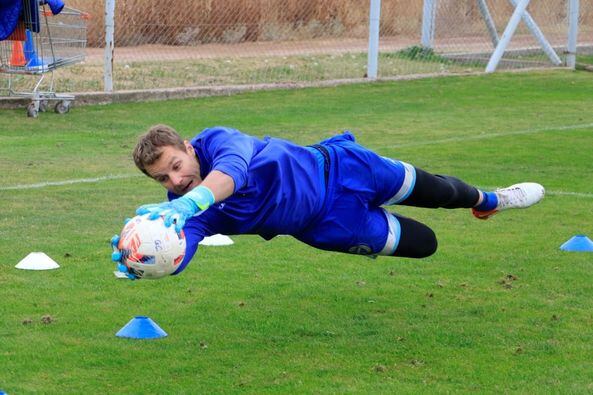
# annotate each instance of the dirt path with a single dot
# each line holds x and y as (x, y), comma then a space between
(310, 47)
(262, 49)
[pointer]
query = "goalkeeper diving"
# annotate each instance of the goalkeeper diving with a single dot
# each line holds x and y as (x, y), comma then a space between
(333, 195)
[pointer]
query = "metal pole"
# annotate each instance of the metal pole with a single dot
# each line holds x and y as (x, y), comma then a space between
(573, 28)
(373, 56)
(109, 45)
(537, 33)
(490, 25)
(506, 36)
(428, 19)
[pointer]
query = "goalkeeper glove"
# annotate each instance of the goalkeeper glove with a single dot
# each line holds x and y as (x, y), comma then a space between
(118, 257)
(181, 209)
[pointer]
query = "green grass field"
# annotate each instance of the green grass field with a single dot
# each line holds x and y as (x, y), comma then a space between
(499, 308)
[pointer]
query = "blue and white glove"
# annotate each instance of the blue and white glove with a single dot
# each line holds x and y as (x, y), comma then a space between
(117, 256)
(181, 209)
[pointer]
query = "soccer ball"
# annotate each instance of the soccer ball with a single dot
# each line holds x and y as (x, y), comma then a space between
(149, 248)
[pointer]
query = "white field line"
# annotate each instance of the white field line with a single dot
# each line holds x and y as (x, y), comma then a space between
(551, 193)
(567, 193)
(431, 142)
(509, 133)
(19, 187)
(493, 135)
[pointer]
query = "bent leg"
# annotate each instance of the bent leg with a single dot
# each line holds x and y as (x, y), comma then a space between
(408, 238)
(416, 239)
(371, 232)
(379, 181)
(433, 191)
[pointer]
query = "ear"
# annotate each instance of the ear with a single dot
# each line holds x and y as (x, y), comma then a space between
(189, 148)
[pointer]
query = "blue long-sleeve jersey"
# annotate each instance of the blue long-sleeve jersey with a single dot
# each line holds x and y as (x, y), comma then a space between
(279, 188)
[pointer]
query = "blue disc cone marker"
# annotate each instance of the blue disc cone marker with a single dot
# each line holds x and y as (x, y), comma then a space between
(578, 243)
(141, 328)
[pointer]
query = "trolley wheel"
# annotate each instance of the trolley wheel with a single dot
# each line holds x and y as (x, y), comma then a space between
(32, 111)
(62, 107)
(43, 105)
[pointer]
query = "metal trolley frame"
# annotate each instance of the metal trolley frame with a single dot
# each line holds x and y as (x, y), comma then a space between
(50, 42)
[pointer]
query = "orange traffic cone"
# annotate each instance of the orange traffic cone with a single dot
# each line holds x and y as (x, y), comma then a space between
(17, 58)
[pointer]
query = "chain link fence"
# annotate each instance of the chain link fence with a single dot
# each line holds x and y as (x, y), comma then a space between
(468, 31)
(166, 44)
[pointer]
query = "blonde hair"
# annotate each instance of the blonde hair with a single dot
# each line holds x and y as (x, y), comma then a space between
(149, 147)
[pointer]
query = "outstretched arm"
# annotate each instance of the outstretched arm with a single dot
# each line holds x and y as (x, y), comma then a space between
(221, 185)
(231, 152)
(216, 187)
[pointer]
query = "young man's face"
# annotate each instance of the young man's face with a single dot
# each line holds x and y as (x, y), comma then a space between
(177, 170)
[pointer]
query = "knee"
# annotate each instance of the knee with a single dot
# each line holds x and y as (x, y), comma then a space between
(447, 194)
(428, 244)
(425, 244)
(420, 243)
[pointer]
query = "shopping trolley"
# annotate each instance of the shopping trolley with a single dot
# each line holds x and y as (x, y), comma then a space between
(41, 43)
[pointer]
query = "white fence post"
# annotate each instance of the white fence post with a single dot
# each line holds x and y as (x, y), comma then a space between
(109, 45)
(373, 56)
(490, 25)
(428, 19)
(539, 36)
(573, 28)
(506, 36)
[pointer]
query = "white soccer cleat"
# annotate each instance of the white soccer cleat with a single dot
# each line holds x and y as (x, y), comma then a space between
(522, 195)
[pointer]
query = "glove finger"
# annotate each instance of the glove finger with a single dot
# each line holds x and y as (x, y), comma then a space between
(124, 269)
(132, 274)
(127, 220)
(155, 215)
(116, 256)
(179, 224)
(170, 218)
(114, 241)
(141, 210)
(178, 229)
(147, 208)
